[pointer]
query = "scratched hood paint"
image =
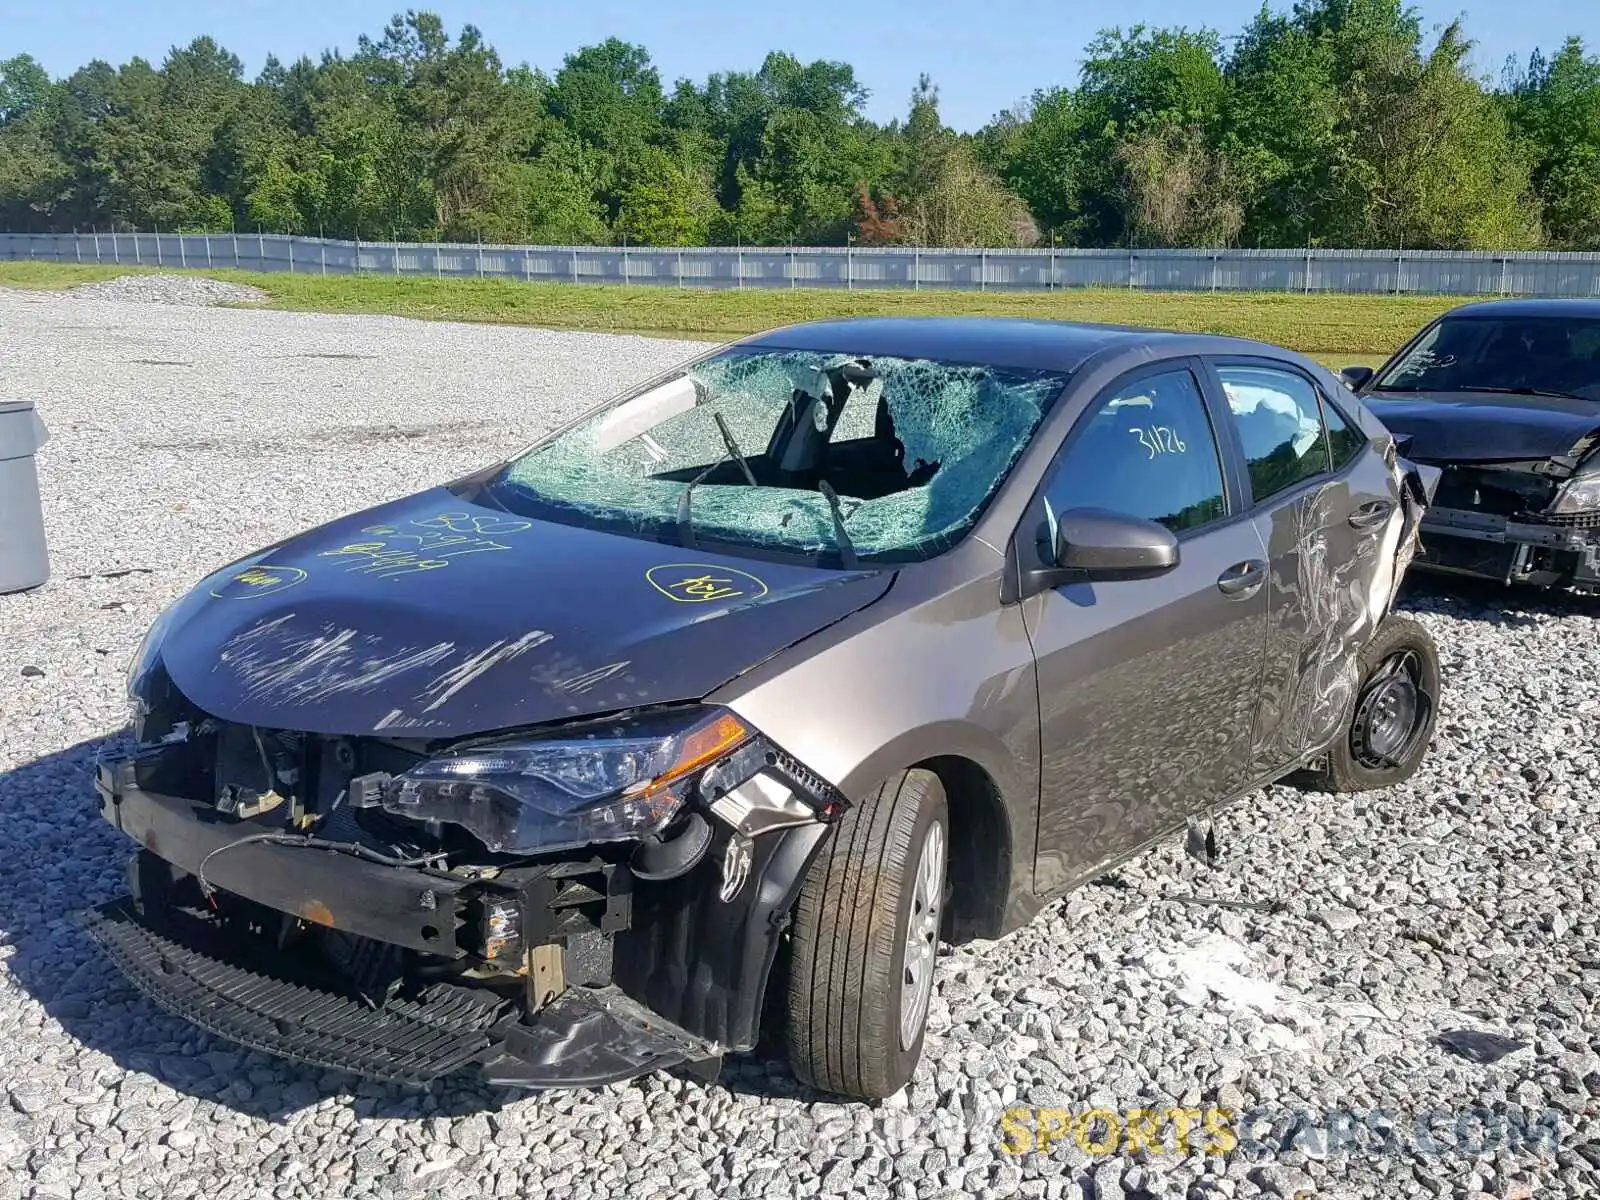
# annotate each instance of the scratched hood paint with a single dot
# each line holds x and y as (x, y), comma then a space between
(1485, 426)
(433, 617)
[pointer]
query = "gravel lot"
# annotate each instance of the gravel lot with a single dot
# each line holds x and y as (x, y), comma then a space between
(185, 436)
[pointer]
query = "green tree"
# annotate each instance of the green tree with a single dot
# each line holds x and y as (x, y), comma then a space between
(1349, 134)
(1178, 190)
(1135, 82)
(609, 98)
(1329, 123)
(793, 132)
(24, 86)
(365, 173)
(1134, 79)
(927, 141)
(666, 201)
(1555, 105)
(1284, 129)
(1040, 151)
(547, 201)
(33, 176)
(1432, 155)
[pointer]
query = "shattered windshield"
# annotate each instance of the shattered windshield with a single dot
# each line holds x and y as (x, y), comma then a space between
(1559, 355)
(830, 456)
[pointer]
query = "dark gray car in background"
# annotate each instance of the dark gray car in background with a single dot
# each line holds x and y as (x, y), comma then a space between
(1503, 397)
(787, 664)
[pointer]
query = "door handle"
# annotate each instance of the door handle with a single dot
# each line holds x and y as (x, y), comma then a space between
(1371, 515)
(1242, 580)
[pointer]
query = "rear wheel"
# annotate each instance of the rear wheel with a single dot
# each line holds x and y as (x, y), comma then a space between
(866, 936)
(1391, 722)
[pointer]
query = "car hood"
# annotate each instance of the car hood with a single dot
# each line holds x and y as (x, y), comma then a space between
(1485, 426)
(434, 617)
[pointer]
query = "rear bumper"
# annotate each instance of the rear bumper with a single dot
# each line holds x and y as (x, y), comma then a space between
(583, 1038)
(1458, 541)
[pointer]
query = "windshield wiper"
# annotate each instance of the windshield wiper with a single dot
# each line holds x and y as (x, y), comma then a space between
(685, 515)
(733, 448)
(685, 520)
(847, 549)
(1523, 391)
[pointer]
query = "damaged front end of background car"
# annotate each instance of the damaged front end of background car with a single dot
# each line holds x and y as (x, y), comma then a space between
(1530, 520)
(571, 907)
(1503, 397)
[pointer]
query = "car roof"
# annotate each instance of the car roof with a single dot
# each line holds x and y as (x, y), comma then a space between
(1564, 307)
(1012, 342)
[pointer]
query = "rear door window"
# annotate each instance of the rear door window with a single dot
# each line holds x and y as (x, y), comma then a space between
(1279, 419)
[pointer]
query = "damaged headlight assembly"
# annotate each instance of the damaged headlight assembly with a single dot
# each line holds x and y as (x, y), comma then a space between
(616, 782)
(1580, 494)
(146, 660)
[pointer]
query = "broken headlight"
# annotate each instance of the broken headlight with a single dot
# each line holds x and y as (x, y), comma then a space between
(1579, 494)
(606, 784)
(146, 659)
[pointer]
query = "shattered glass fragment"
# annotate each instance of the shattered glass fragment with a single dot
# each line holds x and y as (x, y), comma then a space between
(1478, 1046)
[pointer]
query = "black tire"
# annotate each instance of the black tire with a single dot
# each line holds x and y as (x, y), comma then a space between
(849, 941)
(1352, 764)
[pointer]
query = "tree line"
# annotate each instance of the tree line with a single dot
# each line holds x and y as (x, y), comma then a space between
(1337, 123)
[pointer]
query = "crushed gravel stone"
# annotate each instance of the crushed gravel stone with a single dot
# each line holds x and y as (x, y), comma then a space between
(1366, 926)
(164, 288)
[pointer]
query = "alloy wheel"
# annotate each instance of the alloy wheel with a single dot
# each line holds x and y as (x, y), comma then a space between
(922, 936)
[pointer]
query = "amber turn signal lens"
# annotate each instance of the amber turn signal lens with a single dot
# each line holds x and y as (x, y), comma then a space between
(704, 745)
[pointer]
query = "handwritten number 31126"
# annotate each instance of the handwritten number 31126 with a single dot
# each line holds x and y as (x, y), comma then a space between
(1159, 439)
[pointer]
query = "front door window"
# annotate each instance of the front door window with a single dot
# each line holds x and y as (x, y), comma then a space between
(1146, 450)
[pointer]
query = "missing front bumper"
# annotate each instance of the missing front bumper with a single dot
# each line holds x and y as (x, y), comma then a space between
(1506, 550)
(603, 975)
(585, 1037)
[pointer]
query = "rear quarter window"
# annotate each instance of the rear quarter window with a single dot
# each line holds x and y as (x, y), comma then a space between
(1345, 441)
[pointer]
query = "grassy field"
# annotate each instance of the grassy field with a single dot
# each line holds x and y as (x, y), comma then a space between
(1337, 329)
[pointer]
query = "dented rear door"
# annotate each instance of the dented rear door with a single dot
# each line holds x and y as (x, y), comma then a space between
(1327, 508)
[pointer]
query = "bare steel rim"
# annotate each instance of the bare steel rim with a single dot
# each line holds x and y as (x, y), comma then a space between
(1392, 713)
(922, 936)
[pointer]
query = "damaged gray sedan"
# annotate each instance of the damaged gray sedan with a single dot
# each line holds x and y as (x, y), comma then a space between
(753, 685)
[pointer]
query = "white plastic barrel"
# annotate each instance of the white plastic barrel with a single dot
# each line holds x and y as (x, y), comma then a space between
(24, 562)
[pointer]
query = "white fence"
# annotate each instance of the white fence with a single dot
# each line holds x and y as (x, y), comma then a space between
(1440, 272)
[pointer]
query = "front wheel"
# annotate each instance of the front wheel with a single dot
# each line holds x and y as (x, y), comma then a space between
(866, 935)
(1391, 722)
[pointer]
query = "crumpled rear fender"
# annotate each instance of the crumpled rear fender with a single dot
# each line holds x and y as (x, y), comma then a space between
(1415, 484)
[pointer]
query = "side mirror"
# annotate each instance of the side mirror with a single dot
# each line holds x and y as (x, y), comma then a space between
(1356, 378)
(1098, 544)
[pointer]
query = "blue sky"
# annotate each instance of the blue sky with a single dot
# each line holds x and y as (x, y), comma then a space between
(984, 54)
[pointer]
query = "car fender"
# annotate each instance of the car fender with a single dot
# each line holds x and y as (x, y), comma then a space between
(937, 669)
